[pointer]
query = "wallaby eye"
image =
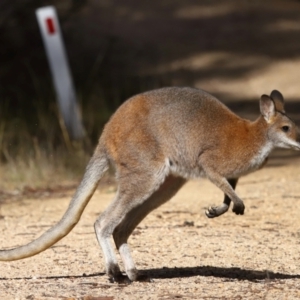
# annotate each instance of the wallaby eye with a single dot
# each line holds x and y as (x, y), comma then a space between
(285, 128)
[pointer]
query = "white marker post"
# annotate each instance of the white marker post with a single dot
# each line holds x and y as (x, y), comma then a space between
(51, 33)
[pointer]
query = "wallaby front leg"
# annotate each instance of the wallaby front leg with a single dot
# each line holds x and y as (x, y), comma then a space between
(223, 184)
(216, 211)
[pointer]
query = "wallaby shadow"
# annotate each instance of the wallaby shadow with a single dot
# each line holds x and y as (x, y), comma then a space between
(226, 273)
(232, 273)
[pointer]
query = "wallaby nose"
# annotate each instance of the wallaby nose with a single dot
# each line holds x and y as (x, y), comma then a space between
(296, 147)
(298, 135)
(298, 139)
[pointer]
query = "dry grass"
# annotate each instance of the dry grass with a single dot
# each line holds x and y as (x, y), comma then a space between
(43, 169)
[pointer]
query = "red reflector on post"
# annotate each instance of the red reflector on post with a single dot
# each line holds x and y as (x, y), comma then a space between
(50, 26)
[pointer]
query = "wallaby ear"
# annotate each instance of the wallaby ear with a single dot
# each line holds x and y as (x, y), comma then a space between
(278, 100)
(267, 107)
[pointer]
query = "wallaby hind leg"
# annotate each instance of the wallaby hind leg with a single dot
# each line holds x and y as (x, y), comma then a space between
(103, 234)
(216, 211)
(133, 190)
(122, 232)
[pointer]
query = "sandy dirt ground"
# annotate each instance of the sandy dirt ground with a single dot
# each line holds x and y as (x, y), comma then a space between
(188, 256)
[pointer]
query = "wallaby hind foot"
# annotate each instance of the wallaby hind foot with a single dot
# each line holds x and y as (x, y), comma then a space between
(115, 275)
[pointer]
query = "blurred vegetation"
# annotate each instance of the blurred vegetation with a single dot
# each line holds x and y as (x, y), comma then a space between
(117, 49)
(33, 144)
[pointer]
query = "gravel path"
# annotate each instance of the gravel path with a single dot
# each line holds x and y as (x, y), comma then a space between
(188, 256)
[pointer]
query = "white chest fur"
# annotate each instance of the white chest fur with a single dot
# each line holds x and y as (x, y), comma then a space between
(261, 155)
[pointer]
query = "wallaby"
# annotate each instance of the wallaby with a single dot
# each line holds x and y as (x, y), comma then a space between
(156, 141)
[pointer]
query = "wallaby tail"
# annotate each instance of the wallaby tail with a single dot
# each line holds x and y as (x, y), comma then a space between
(94, 171)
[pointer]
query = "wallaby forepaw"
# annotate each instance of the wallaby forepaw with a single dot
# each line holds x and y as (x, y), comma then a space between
(211, 212)
(239, 208)
(216, 211)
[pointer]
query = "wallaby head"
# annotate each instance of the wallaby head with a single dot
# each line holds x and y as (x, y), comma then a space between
(282, 131)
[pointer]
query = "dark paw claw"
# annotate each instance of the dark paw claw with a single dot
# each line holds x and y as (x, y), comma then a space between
(211, 212)
(216, 211)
